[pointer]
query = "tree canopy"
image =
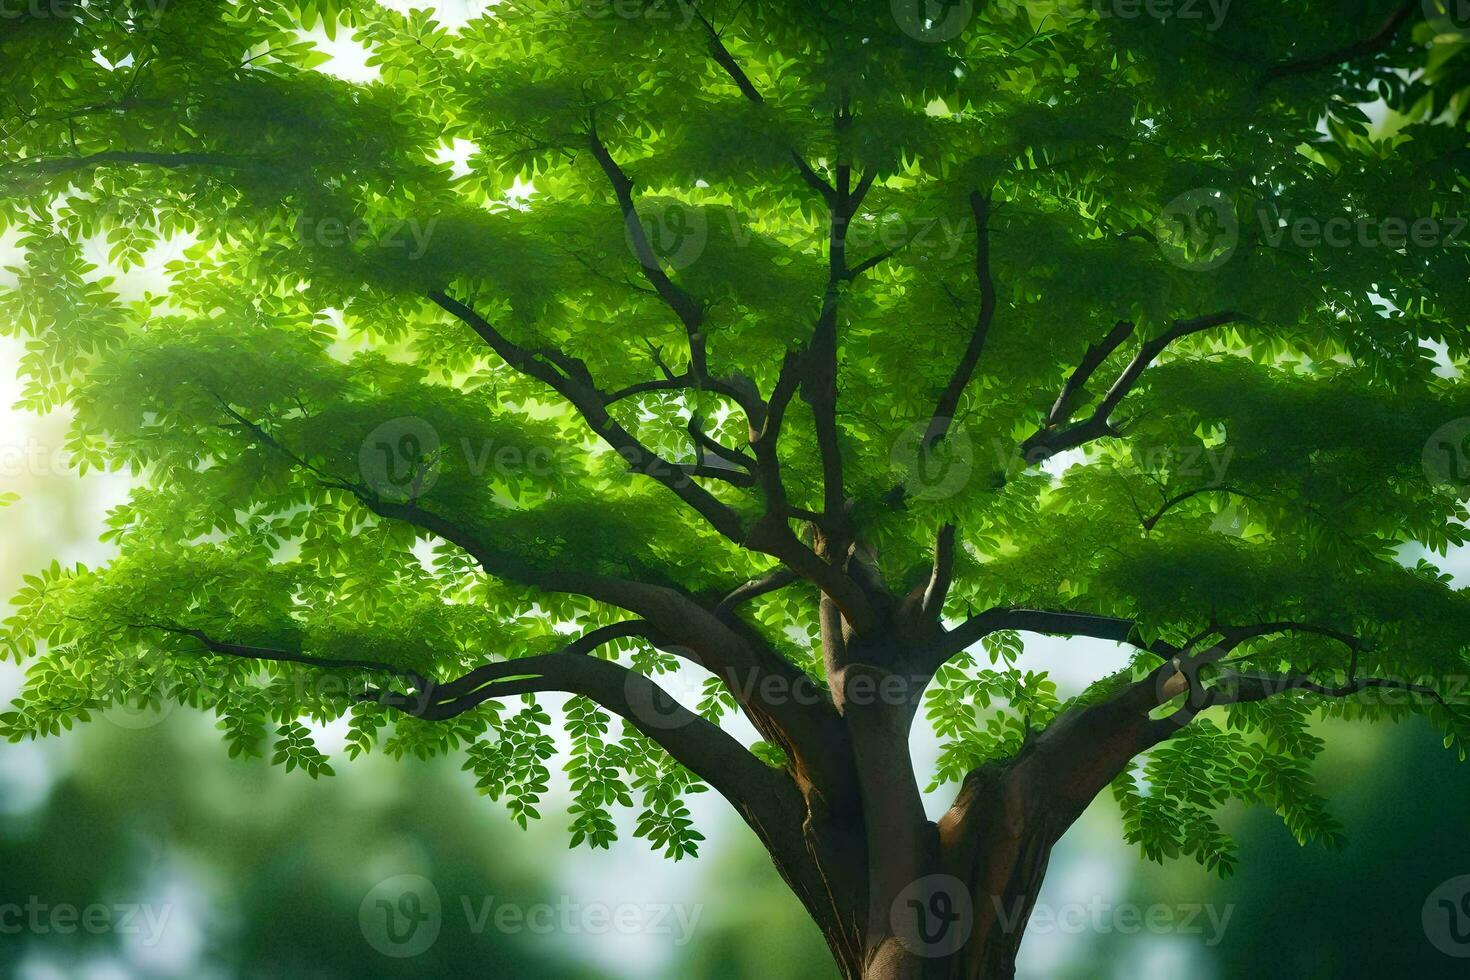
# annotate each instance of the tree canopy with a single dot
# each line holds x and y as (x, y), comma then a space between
(816, 344)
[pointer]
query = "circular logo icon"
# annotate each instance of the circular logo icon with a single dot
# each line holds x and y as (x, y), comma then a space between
(677, 232)
(1446, 917)
(1447, 455)
(399, 459)
(651, 704)
(934, 916)
(933, 470)
(401, 916)
(932, 21)
(135, 710)
(1198, 230)
(1449, 18)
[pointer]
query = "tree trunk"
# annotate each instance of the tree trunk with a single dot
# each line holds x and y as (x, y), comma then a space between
(902, 897)
(899, 896)
(965, 917)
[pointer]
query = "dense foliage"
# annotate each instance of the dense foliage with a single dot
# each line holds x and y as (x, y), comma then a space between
(1157, 322)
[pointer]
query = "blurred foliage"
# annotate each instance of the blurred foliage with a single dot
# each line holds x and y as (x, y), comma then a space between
(263, 876)
(1308, 914)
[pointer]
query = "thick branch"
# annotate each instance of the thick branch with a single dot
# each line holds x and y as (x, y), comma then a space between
(700, 745)
(1055, 622)
(941, 575)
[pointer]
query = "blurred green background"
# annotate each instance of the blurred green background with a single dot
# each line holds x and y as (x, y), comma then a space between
(239, 869)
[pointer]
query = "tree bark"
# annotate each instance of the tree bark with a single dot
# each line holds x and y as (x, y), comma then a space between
(899, 896)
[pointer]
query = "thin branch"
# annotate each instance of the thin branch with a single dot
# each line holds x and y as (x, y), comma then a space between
(575, 384)
(1065, 405)
(742, 81)
(1054, 622)
(1170, 503)
(703, 444)
(772, 581)
(727, 61)
(949, 401)
(1048, 440)
(249, 652)
(53, 166)
(689, 310)
(1243, 688)
(940, 577)
(1374, 43)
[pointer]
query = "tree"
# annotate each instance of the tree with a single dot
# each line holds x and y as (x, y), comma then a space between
(827, 349)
